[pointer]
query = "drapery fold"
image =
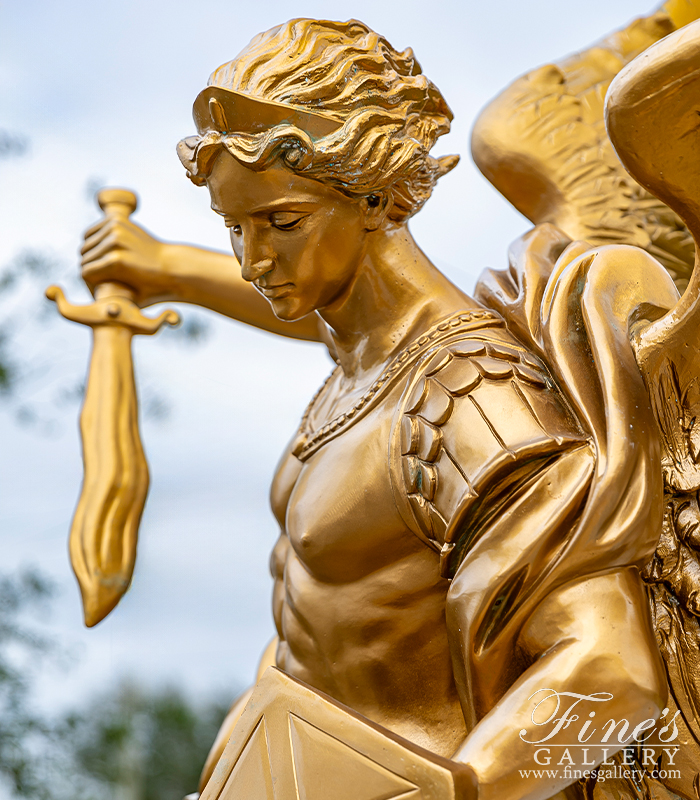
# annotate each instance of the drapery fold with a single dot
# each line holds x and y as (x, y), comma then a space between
(577, 309)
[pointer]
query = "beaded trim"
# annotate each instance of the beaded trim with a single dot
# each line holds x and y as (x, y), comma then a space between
(307, 441)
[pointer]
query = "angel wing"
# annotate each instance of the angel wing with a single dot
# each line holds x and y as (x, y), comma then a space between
(543, 143)
(654, 122)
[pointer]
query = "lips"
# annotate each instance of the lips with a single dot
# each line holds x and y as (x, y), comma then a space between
(275, 292)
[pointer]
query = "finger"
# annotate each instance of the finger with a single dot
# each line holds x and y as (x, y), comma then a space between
(108, 243)
(97, 237)
(102, 269)
(107, 268)
(96, 227)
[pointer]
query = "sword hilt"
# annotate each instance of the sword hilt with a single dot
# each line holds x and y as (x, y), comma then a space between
(114, 302)
(118, 204)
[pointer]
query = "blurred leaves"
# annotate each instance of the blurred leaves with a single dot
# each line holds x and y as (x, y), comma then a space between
(128, 743)
(194, 329)
(143, 745)
(33, 374)
(29, 267)
(23, 649)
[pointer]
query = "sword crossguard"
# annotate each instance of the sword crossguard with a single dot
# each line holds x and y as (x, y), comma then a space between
(111, 309)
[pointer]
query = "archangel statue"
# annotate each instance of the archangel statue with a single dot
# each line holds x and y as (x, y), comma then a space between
(489, 526)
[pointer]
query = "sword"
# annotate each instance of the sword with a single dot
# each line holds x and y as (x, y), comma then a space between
(104, 532)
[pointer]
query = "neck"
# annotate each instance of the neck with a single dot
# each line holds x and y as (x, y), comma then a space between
(395, 295)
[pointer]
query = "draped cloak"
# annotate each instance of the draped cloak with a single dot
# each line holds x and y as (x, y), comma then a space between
(571, 501)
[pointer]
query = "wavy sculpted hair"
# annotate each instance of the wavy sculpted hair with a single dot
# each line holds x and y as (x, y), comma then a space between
(392, 114)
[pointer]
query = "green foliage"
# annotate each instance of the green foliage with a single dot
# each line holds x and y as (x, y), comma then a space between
(6, 370)
(129, 743)
(143, 745)
(22, 650)
(22, 307)
(11, 145)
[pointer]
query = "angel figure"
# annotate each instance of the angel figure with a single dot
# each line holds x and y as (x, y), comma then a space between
(490, 497)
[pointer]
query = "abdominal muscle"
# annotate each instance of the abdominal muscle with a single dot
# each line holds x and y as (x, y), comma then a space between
(374, 646)
(358, 602)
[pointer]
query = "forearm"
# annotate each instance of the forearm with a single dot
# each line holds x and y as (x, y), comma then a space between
(213, 280)
(116, 249)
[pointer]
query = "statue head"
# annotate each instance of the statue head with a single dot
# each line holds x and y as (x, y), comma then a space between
(330, 101)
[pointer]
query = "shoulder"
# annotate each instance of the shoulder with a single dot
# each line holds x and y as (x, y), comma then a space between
(477, 412)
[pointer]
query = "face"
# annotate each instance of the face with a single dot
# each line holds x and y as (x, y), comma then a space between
(298, 241)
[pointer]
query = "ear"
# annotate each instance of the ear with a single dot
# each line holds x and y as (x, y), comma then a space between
(375, 208)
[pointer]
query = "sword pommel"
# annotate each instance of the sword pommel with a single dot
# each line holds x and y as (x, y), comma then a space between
(117, 202)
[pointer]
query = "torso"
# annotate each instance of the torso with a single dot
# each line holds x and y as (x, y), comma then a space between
(378, 484)
(359, 604)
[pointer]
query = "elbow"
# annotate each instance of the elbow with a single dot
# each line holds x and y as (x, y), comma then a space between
(637, 684)
(598, 633)
(627, 668)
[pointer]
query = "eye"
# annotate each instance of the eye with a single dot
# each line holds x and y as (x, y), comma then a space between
(236, 229)
(287, 220)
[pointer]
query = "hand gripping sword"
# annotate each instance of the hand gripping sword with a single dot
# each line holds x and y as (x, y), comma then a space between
(105, 526)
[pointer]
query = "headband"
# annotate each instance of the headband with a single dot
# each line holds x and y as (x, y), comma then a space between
(227, 111)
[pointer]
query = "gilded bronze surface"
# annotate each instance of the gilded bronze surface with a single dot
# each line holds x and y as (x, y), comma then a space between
(491, 497)
(106, 522)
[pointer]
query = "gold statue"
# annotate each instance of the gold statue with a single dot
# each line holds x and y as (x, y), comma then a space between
(469, 567)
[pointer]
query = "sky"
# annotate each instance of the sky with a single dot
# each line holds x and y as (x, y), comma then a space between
(103, 91)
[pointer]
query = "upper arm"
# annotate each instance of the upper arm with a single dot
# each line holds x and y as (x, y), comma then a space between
(604, 620)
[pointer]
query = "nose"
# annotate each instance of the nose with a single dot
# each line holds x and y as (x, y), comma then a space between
(257, 256)
(253, 271)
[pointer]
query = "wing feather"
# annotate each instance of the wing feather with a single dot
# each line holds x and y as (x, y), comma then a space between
(543, 144)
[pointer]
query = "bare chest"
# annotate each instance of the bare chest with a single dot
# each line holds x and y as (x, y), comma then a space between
(337, 507)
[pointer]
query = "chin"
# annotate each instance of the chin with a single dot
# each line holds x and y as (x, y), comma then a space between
(288, 311)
